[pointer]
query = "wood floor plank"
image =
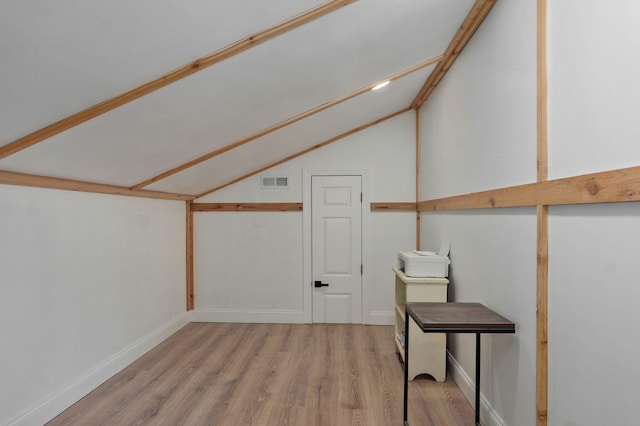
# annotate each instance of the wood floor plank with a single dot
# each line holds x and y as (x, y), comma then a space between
(270, 374)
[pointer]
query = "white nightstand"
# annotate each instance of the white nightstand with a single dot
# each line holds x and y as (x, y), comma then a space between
(428, 351)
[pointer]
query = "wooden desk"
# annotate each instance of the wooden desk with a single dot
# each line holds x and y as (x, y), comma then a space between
(437, 317)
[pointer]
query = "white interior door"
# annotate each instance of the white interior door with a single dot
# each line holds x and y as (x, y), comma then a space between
(336, 238)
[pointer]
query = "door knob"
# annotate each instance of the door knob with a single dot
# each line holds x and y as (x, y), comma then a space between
(318, 284)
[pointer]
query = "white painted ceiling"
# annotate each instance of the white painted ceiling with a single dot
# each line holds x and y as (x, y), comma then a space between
(60, 58)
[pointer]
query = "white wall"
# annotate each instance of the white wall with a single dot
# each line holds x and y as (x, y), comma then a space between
(593, 86)
(493, 261)
(89, 283)
(479, 133)
(593, 314)
(593, 268)
(479, 126)
(249, 266)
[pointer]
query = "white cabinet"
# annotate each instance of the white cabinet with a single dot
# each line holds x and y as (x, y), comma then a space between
(428, 350)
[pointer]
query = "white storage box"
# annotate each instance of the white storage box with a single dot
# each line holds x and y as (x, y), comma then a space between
(423, 263)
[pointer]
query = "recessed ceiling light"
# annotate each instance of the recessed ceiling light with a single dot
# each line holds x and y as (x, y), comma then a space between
(381, 85)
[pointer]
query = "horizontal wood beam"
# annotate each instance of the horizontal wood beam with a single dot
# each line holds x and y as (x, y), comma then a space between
(394, 207)
(11, 178)
(289, 207)
(173, 76)
(471, 23)
(613, 186)
(304, 151)
(281, 125)
(246, 207)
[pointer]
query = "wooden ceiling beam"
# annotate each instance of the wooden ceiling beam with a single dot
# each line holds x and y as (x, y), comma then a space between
(304, 151)
(284, 123)
(11, 178)
(173, 76)
(471, 23)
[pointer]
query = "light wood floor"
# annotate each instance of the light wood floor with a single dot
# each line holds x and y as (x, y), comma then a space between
(270, 374)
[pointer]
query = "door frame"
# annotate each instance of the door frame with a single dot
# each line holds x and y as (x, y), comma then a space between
(307, 264)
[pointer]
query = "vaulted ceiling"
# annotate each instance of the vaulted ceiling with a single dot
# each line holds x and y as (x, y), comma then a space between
(183, 97)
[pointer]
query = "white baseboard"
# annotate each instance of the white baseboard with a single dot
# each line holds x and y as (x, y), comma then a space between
(381, 318)
(487, 414)
(54, 404)
(248, 316)
(274, 316)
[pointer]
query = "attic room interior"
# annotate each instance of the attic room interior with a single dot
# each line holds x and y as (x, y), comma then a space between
(159, 163)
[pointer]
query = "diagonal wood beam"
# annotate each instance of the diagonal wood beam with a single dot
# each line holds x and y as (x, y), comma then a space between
(11, 178)
(304, 151)
(471, 23)
(173, 76)
(282, 124)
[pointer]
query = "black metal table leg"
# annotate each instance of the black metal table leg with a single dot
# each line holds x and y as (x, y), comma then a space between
(477, 379)
(406, 367)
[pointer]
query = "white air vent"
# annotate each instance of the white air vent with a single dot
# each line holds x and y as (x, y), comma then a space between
(275, 182)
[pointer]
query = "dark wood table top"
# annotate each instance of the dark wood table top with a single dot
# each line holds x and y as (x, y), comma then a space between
(442, 317)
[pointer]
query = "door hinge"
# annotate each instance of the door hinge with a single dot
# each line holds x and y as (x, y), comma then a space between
(361, 269)
(361, 197)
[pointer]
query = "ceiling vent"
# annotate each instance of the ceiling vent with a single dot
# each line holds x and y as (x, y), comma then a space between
(275, 182)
